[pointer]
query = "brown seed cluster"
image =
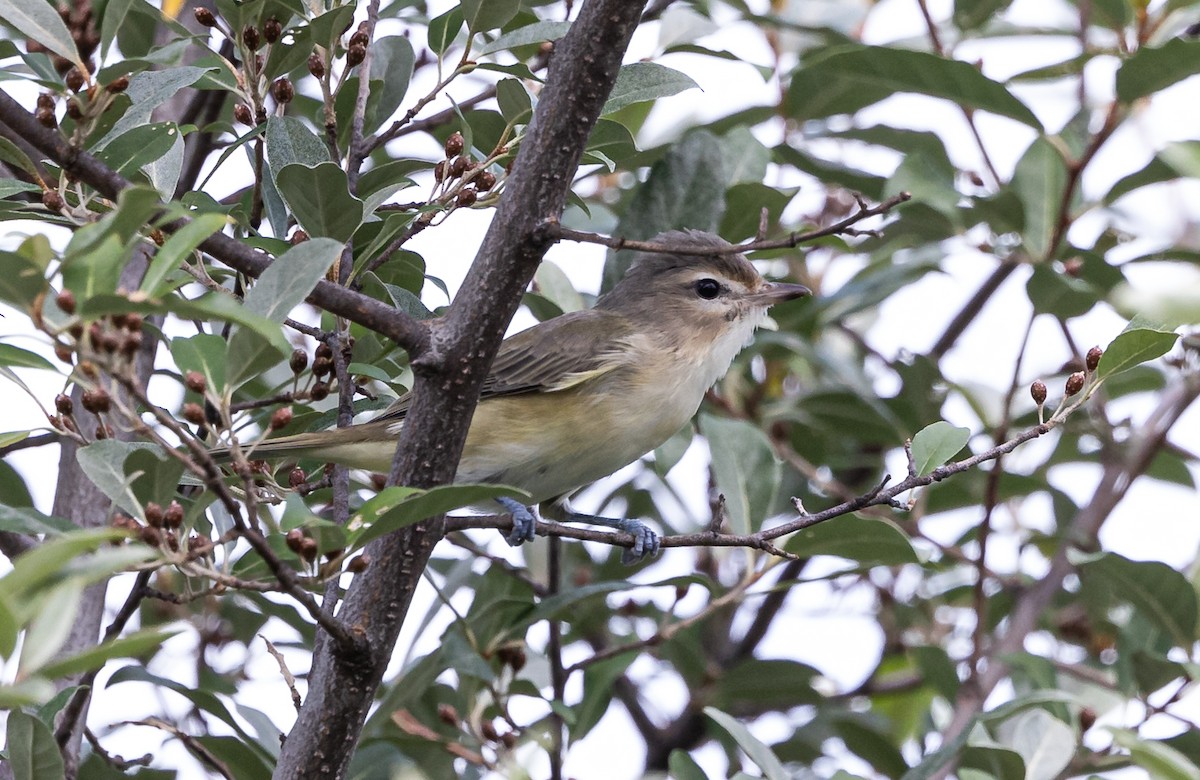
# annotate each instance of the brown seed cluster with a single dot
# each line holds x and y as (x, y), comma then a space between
(459, 165)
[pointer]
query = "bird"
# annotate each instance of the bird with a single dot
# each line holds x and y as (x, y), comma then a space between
(579, 396)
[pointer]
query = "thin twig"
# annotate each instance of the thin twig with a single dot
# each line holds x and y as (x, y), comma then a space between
(558, 231)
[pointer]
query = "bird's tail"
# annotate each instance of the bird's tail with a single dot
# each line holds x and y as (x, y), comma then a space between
(357, 446)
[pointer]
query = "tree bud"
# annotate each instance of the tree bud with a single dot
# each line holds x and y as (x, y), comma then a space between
(151, 536)
(281, 418)
(467, 196)
(358, 564)
(1038, 391)
(296, 478)
(324, 351)
(241, 112)
(272, 29)
(118, 85)
(53, 202)
(283, 91)
(46, 118)
(193, 413)
(319, 391)
(309, 549)
(459, 166)
(316, 65)
(96, 401)
(173, 517)
(298, 361)
(358, 39)
(294, 539)
(205, 17)
(251, 37)
(74, 79)
(73, 110)
(64, 404)
(439, 171)
(322, 366)
(454, 144)
(1074, 383)
(154, 514)
(195, 381)
(199, 546)
(485, 180)
(355, 55)
(1093, 358)
(488, 731)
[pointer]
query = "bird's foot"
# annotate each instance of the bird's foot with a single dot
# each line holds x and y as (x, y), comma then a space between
(645, 539)
(524, 523)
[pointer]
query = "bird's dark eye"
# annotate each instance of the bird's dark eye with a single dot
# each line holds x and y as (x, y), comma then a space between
(708, 289)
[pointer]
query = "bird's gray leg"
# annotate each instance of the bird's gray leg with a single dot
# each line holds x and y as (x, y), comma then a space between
(524, 523)
(645, 539)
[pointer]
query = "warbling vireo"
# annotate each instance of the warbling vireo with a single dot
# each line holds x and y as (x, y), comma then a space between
(577, 397)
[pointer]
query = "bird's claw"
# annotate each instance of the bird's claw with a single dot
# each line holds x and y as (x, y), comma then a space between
(646, 542)
(524, 523)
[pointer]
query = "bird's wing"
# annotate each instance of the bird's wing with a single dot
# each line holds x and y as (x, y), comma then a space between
(551, 356)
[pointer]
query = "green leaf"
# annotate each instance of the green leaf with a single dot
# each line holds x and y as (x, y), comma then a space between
(164, 171)
(51, 625)
(937, 443)
(484, 15)
(392, 61)
(867, 540)
(136, 644)
(1134, 346)
(1160, 761)
(142, 145)
(16, 356)
(514, 101)
(552, 282)
(638, 82)
(22, 281)
(1158, 592)
(10, 187)
(291, 277)
(204, 700)
(1150, 70)
(327, 27)
(745, 158)
(756, 749)
(47, 560)
(40, 21)
(970, 14)
(178, 247)
(399, 507)
(684, 767)
(853, 77)
(319, 196)
(27, 520)
(1046, 744)
(745, 467)
(685, 189)
(444, 29)
(290, 141)
(148, 90)
(1039, 181)
(283, 286)
(528, 35)
(104, 464)
(204, 352)
(33, 753)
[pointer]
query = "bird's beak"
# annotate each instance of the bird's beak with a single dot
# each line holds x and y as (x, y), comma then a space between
(772, 293)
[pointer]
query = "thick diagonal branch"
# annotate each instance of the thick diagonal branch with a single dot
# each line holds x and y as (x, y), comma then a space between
(449, 375)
